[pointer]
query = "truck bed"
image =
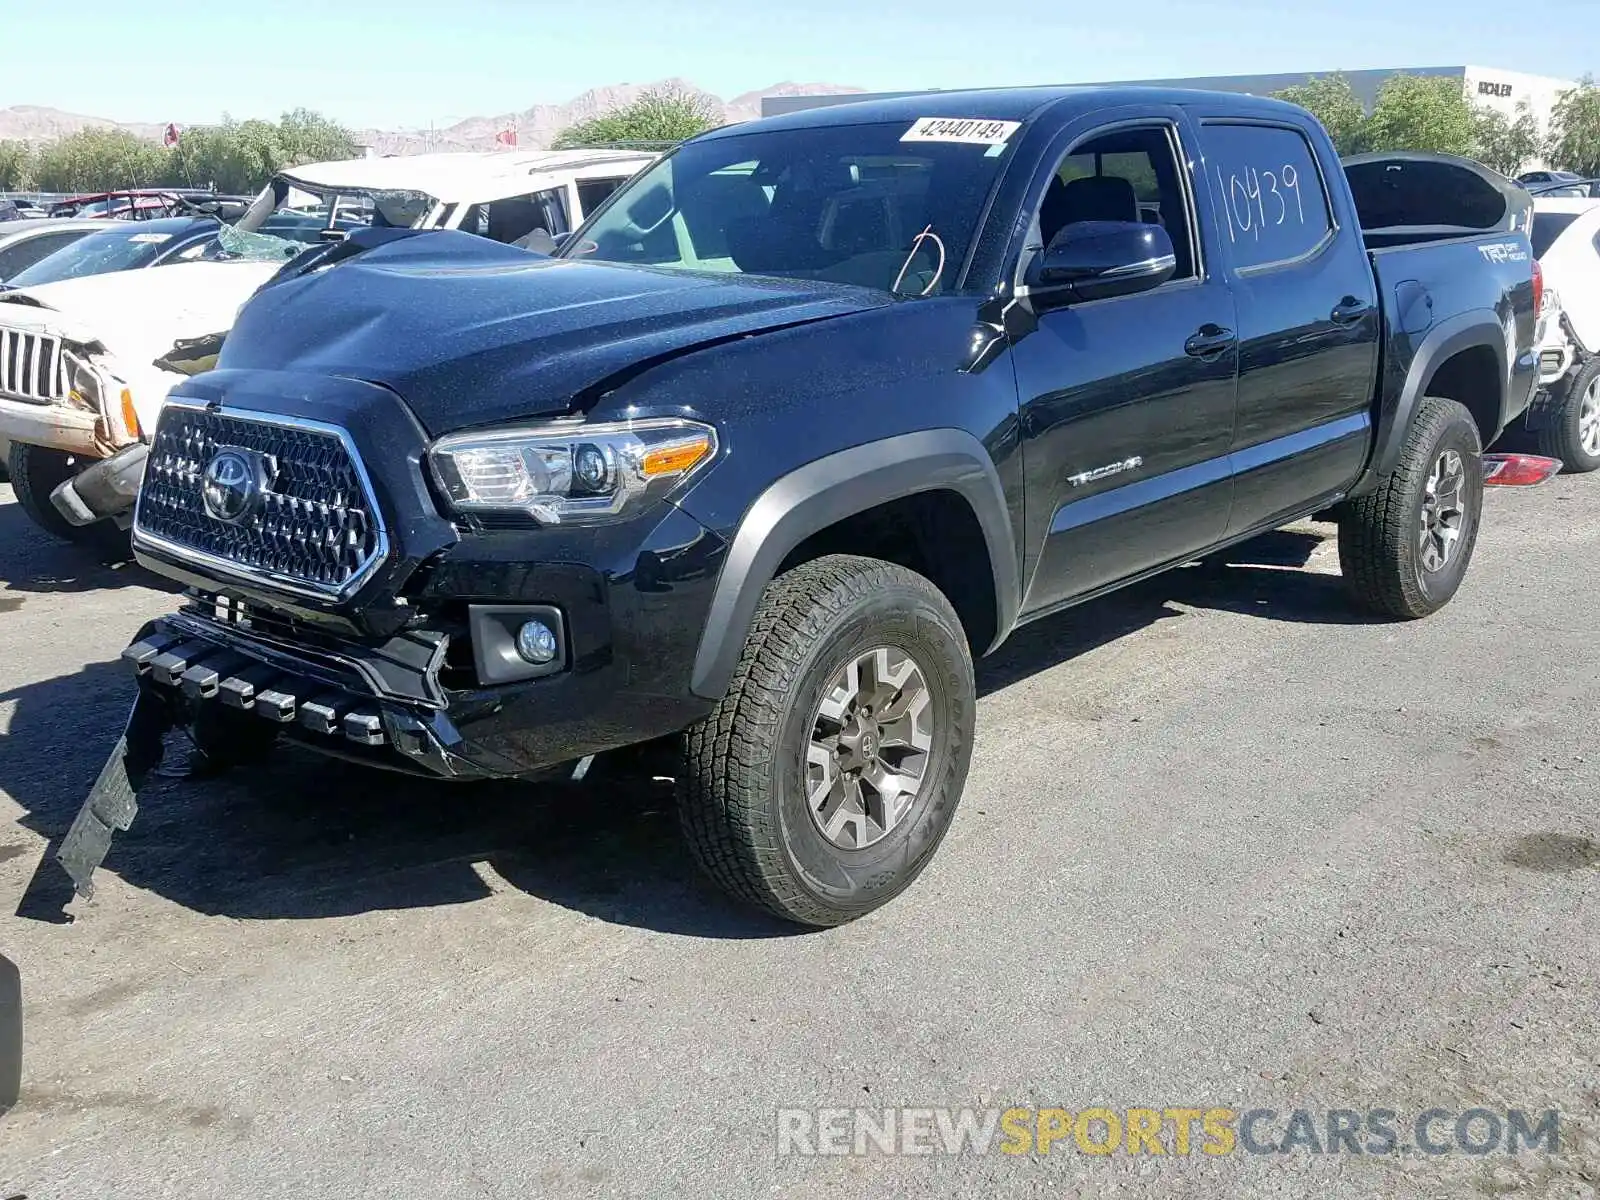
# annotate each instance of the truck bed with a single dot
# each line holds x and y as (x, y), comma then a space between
(1409, 199)
(1483, 275)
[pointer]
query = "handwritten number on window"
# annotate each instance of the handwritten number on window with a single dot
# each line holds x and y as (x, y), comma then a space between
(1248, 195)
(1283, 205)
(1239, 190)
(1291, 180)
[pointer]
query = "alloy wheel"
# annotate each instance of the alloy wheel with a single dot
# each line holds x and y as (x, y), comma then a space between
(871, 741)
(1589, 418)
(1444, 511)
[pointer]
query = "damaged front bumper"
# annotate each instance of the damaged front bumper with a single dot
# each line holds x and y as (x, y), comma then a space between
(114, 800)
(346, 708)
(54, 425)
(105, 491)
(379, 706)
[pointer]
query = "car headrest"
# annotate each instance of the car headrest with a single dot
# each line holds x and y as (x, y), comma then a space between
(1099, 198)
(776, 243)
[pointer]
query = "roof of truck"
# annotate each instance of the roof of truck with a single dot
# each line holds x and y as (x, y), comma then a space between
(459, 176)
(1002, 104)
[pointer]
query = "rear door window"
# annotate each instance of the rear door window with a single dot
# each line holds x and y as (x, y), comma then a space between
(512, 219)
(592, 193)
(1547, 227)
(30, 250)
(1268, 192)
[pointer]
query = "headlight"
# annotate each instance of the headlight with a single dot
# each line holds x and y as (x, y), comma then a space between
(571, 473)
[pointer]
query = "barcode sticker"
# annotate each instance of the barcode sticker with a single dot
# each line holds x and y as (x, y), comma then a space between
(968, 130)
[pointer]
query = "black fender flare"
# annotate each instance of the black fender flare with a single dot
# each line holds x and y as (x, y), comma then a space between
(830, 489)
(1479, 328)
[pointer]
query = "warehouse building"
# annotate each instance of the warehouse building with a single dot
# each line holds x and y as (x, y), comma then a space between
(1489, 86)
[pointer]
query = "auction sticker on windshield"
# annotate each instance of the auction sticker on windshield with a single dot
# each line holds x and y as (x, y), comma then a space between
(971, 131)
(154, 239)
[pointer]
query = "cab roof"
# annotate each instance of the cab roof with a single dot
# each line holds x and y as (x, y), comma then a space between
(1005, 104)
(457, 177)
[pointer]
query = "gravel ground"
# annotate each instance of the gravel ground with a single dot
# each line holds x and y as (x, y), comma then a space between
(1224, 844)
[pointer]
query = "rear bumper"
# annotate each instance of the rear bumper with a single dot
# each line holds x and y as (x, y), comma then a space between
(1524, 382)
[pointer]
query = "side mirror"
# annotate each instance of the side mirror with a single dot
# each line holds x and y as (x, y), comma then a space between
(1094, 260)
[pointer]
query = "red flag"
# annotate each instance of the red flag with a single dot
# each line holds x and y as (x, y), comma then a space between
(169, 137)
(506, 137)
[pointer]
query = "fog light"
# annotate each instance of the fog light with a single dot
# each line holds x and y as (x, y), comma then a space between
(536, 642)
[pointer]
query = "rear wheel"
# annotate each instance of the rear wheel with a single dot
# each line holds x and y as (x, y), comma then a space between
(1404, 548)
(823, 782)
(1570, 429)
(36, 471)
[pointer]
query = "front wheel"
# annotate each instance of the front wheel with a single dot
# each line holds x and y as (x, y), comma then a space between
(823, 782)
(36, 471)
(1570, 429)
(1404, 548)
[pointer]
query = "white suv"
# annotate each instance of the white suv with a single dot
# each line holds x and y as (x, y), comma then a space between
(1565, 415)
(90, 360)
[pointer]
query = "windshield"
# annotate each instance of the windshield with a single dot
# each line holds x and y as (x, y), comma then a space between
(109, 250)
(236, 245)
(1547, 227)
(294, 212)
(846, 204)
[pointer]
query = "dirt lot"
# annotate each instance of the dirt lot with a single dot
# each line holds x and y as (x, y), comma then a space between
(1223, 844)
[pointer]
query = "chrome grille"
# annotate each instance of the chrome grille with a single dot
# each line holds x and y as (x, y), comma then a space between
(316, 527)
(32, 367)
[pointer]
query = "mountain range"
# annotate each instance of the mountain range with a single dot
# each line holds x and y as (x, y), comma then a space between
(535, 126)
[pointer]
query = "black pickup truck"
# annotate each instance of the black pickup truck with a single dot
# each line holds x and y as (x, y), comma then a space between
(809, 414)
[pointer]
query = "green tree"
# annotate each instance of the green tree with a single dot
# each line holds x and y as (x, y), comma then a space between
(663, 115)
(99, 160)
(1332, 100)
(1574, 143)
(1422, 112)
(16, 166)
(235, 156)
(307, 137)
(1502, 143)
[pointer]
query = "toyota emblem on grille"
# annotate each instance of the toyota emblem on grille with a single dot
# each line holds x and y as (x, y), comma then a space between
(233, 483)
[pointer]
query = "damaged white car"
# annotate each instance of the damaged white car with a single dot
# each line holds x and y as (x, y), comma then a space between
(1565, 414)
(85, 364)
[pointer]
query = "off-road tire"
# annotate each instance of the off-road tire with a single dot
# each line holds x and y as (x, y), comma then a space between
(1380, 550)
(36, 471)
(1557, 419)
(742, 788)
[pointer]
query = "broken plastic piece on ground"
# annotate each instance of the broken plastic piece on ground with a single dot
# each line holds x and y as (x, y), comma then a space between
(1519, 470)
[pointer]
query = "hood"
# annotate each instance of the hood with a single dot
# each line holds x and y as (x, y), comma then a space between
(138, 315)
(469, 332)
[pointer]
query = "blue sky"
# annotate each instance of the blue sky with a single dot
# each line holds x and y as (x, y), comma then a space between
(408, 63)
